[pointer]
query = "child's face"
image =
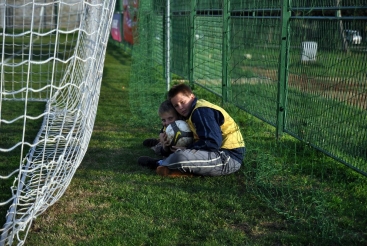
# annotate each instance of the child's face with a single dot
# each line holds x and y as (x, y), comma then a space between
(168, 117)
(182, 103)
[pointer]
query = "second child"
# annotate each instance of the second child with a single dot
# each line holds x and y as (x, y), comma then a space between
(168, 115)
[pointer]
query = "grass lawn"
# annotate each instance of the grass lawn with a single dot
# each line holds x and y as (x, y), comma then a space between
(113, 201)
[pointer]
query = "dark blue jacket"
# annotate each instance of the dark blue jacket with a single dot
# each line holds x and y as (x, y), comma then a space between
(207, 122)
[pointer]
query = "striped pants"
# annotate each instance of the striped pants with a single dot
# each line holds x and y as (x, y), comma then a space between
(201, 162)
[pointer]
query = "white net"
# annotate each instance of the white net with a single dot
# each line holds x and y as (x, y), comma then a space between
(52, 57)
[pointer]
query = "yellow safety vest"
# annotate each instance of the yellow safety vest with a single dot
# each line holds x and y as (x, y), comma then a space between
(231, 134)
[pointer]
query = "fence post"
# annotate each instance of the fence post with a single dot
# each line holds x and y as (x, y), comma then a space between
(168, 44)
(122, 13)
(225, 49)
(56, 14)
(191, 43)
(283, 69)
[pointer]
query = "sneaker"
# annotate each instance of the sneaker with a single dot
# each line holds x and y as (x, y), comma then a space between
(166, 172)
(150, 142)
(157, 149)
(147, 161)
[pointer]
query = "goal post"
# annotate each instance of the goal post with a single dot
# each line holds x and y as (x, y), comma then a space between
(51, 71)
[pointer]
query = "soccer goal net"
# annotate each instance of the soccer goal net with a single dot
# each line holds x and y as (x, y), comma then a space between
(52, 57)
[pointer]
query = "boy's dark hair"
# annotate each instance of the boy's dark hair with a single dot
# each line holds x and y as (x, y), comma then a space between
(180, 88)
(166, 106)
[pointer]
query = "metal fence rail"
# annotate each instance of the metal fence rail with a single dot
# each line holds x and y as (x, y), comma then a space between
(297, 65)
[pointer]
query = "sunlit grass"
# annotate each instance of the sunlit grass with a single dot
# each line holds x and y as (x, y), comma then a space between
(286, 193)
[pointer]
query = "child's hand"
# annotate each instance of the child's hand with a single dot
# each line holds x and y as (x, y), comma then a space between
(174, 148)
(164, 141)
(162, 137)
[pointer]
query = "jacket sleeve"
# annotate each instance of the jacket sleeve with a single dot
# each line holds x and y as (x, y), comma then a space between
(207, 122)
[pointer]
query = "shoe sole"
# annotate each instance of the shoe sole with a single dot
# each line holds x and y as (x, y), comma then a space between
(166, 172)
(147, 163)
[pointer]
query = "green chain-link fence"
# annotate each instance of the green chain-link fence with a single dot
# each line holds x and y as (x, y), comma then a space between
(293, 64)
(298, 66)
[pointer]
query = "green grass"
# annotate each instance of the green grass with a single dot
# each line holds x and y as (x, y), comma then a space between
(10, 135)
(285, 194)
(16, 52)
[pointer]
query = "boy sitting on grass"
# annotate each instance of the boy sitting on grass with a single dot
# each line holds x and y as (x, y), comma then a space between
(218, 147)
(168, 114)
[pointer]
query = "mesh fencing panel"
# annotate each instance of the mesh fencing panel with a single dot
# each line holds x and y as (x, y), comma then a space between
(323, 86)
(299, 67)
